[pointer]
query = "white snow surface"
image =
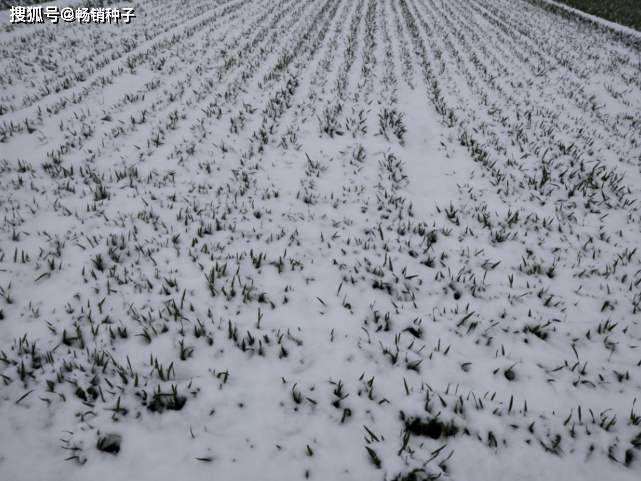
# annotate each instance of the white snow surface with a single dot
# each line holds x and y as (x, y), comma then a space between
(331, 240)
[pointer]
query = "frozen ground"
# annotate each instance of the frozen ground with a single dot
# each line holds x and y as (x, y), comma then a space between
(356, 240)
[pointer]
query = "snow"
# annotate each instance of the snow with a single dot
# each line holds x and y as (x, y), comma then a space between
(326, 240)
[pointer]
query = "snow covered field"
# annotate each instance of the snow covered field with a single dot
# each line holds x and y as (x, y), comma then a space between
(331, 240)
